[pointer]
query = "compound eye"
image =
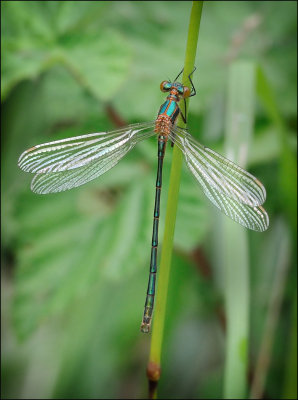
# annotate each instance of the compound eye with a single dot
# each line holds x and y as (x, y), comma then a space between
(180, 90)
(186, 92)
(165, 86)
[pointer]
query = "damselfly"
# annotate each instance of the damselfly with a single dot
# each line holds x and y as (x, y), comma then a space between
(64, 164)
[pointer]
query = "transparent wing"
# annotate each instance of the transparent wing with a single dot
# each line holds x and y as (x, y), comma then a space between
(68, 163)
(70, 153)
(252, 217)
(237, 193)
(220, 173)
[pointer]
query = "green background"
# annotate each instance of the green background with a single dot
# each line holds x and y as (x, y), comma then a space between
(75, 264)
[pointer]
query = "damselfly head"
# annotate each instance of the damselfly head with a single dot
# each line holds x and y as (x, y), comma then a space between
(167, 86)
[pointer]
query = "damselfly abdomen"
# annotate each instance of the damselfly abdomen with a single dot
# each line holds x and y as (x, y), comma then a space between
(64, 164)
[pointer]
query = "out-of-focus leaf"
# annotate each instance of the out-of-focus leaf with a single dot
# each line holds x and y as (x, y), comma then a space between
(188, 316)
(24, 121)
(113, 307)
(288, 167)
(33, 43)
(66, 102)
(98, 232)
(69, 247)
(270, 269)
(290, 386)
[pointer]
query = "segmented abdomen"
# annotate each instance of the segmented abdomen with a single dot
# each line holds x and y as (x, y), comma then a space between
(163, 125)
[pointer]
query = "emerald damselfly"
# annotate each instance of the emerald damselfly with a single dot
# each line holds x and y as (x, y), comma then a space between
(68, 163)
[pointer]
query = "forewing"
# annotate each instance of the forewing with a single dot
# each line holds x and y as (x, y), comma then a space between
(64, 171)
(71, 153)
(54, 182)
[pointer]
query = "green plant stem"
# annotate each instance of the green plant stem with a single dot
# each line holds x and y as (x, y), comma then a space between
(153, 370)
(235, 260)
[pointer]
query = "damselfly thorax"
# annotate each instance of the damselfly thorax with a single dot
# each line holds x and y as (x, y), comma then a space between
(169, 110)
(69, 163)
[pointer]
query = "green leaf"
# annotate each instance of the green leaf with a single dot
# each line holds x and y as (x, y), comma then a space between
(288, 166)
(33, 42)
(101, 232)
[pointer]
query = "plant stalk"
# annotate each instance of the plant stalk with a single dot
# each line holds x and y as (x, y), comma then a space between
(235, 260)
(154, 368)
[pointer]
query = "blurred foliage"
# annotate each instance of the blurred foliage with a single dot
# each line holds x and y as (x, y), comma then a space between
(75, 264)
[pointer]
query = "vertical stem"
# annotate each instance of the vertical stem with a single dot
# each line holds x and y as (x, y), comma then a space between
(239, 129)
(153, 369)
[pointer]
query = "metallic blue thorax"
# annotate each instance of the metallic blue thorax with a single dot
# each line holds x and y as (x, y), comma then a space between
(170, 108)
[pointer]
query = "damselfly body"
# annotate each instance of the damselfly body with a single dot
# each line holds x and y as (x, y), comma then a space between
(64, 164)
